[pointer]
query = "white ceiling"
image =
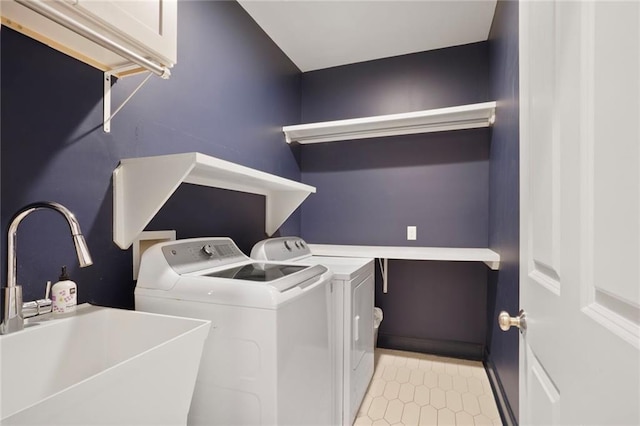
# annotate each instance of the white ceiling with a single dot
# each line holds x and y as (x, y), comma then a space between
(328, 33)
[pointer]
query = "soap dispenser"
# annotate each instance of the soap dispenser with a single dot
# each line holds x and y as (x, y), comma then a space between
(64, 294)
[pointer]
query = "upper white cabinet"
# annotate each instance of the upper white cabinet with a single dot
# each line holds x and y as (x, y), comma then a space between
(102, 33)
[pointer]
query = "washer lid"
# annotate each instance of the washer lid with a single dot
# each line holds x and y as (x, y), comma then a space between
(281, 277)
(257, 272)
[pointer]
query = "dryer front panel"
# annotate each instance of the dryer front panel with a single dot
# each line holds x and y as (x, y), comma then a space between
(362, 321)
(360, 370)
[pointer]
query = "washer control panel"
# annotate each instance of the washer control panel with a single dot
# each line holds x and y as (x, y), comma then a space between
(201, 253)
(281, 248)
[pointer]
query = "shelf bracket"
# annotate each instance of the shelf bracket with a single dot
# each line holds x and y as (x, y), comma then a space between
(106, 100)
(384, 268)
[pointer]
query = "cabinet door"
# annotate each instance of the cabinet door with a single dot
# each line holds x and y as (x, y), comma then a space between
(147, 27)
(150, 24)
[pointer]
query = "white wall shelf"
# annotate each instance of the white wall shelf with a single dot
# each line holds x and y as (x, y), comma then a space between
(141, 186)
(434, 120)
(489, 257)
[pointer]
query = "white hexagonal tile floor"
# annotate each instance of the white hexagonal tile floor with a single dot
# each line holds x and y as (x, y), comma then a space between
(414, 389)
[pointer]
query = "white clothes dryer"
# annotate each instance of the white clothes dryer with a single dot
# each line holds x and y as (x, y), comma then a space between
(267, 359)
(353, 289)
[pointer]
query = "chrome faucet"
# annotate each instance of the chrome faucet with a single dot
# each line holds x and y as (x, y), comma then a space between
(13, 319)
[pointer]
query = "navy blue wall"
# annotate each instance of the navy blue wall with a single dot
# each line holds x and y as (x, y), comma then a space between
(229, 94)
(370, 190)
(434, 79)
(504, 200)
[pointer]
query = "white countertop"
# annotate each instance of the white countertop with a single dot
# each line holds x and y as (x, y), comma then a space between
(491, 258)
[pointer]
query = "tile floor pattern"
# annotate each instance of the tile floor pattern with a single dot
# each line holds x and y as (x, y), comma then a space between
(415, 389)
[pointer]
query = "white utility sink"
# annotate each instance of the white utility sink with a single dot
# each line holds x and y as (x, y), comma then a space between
(100, 366)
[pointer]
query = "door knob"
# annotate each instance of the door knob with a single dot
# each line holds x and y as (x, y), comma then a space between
(506, 322)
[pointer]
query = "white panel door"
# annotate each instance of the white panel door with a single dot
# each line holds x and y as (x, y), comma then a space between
(580, 212)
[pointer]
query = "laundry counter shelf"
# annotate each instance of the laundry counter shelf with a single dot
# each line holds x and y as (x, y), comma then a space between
(384, 253)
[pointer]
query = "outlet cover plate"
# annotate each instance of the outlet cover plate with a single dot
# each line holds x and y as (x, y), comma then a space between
(412, 233)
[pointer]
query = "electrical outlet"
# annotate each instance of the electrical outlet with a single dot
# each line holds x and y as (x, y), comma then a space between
(412, 232)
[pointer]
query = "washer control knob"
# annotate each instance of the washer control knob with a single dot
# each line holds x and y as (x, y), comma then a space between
(287, 245)
(208, 250)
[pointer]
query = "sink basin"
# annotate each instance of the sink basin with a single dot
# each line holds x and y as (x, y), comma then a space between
(100, 366)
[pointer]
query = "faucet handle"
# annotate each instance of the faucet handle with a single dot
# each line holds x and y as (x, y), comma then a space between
(44, 306)
(36, 307)
(40, 306)
(29, 309)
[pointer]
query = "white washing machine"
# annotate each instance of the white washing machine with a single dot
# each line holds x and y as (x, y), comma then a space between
(267, 359)
(353, 289)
